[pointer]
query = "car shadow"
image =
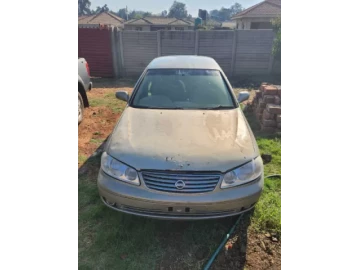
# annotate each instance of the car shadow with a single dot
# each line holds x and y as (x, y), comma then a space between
(254, 81)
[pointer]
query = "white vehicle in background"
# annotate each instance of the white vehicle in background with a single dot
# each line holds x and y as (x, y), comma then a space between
(84, 85)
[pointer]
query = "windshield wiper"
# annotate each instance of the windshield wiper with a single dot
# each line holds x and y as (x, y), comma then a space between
(159, 108)
(218, 107)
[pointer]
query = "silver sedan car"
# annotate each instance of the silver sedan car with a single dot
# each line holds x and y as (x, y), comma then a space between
(182, 148)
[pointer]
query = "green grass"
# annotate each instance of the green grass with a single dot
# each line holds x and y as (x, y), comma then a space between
(97, 141)
(82, 158)
(113, 240)
(267, 214)
(109, 100)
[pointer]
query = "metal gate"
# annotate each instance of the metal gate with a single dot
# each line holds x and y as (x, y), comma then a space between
(94, 45)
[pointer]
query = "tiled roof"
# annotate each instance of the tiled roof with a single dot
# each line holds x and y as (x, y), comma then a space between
(267, 8)
(159, 21)
(277, 2)
(105, 18)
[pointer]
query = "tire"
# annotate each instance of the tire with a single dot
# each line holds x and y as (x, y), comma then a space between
(80, 108)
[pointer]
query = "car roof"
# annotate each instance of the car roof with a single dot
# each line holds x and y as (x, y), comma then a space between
(183, 61)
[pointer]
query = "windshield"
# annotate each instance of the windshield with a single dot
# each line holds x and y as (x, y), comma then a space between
(183, 89)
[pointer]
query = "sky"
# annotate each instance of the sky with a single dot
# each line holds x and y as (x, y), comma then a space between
(156, 6)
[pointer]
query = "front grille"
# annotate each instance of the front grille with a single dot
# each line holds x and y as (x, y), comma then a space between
(194, 182)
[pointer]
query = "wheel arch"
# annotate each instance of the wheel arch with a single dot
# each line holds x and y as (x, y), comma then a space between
(82, 92)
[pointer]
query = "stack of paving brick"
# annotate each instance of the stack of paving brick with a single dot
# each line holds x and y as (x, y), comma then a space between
(266, 105)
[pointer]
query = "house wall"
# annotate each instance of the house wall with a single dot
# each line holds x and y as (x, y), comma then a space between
(133, 27)
(245, 23)
(185, 27)
(148, 27)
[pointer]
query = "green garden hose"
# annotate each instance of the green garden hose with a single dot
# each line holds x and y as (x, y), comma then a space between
(211, 260)
(209, 263)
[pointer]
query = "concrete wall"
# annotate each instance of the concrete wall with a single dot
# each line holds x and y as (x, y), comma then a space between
(177, 42)
(253, 51)
(139, 48)
(238, 52)
(218, 45)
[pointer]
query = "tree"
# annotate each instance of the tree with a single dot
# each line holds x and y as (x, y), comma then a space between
(122, 13)
(163, 13)
(84, 7)
(276, 50)
(235, 8)
(225, 14)
(178, 10)
(147, 14)
(137, 14)
(101, 9)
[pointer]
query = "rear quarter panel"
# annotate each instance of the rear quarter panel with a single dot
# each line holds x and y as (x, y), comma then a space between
(83, 73)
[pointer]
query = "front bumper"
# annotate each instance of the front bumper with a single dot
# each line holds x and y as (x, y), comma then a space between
(142, 201)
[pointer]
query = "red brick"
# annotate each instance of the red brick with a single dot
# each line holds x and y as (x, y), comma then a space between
(259, 116)
(277, 100)
(263, 85)
(258, 94)
(268, 116)
(273, 108)
(268, 99)
(259, 110)
(278, 118)
(261, 103)
(269, 123)
(270, 90)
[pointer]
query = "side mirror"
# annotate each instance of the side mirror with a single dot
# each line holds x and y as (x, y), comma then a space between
(243, 96)
(122, 95)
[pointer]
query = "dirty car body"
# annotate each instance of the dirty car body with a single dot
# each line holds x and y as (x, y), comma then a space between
(182, 148)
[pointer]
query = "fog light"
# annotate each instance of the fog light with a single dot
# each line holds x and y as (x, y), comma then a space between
(109, 202)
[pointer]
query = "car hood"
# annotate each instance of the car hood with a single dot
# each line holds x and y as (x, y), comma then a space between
(185, 140)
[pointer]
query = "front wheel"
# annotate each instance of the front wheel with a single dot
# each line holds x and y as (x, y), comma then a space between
(80, 108)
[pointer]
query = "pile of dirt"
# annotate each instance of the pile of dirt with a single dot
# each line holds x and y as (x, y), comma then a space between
(98, 124)
(250, 251)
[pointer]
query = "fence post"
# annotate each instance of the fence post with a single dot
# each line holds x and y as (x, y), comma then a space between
(122, 53)
(233, 57)
(196, 42)
(159, 42)
(114, 52)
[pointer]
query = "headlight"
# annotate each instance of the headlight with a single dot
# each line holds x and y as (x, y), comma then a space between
(119, 170)
(246, 173)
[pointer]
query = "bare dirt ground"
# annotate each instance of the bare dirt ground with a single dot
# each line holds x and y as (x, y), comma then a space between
(246, 249)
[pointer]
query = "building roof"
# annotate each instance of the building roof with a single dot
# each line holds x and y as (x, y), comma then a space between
(159, 21)
(184, 62)
(104, 18)
(267, 8)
